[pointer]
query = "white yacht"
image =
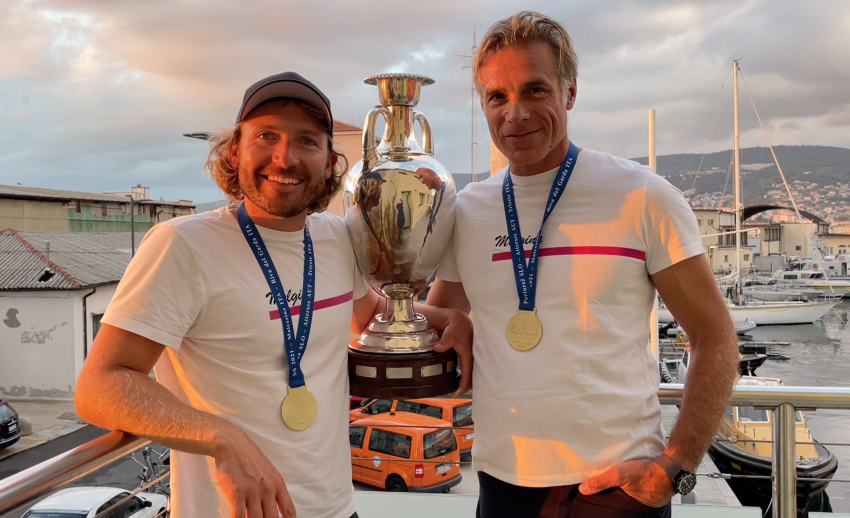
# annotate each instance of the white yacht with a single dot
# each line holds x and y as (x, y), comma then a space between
(816, 280)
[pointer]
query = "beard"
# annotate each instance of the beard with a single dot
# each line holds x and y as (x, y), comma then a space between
(285, 205)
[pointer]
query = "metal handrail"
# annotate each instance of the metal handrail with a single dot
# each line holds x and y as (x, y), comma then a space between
(44, 478)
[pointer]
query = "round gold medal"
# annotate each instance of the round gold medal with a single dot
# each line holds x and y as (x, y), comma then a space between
(525, 330)
(299, 408)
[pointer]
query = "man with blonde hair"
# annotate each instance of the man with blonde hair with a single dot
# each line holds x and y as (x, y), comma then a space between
(246, 313)
(576, 243)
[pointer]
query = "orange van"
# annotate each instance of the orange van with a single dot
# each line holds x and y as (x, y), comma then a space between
(404, 452)
(458, 412)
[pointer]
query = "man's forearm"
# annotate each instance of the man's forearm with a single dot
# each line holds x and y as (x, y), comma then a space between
(127, 400)
(711, 377)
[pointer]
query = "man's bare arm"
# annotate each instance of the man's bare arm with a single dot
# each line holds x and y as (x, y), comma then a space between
(115, 392)
(690, 292)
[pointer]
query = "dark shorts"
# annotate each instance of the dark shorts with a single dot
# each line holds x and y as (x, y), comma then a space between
(497, 499)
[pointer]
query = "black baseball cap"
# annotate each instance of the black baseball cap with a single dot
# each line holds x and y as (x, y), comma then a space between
(286, 84)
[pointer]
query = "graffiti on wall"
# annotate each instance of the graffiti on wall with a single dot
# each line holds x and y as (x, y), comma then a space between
(37, 337)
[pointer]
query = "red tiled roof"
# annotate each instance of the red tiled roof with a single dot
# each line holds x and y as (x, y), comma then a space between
(341, 126)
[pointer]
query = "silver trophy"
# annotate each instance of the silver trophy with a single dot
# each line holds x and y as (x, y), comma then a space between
(399, 211)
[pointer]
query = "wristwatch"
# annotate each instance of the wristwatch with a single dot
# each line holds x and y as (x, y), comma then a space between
(683, 481)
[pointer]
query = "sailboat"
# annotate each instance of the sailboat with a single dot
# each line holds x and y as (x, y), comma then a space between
(741, 307)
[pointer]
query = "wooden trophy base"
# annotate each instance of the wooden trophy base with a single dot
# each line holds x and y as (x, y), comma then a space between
(402, 375)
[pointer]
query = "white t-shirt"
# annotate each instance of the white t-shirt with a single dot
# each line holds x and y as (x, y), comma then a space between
(585, 398)
(196, 287)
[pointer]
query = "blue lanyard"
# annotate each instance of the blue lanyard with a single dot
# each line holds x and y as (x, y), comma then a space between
(294, 346)
(526, 273)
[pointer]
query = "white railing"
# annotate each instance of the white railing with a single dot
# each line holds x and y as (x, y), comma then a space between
(38, 481)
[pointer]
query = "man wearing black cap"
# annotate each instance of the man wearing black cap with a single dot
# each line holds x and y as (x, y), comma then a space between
(251, 306)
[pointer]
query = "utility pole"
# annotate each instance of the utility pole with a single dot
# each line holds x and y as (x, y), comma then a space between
(473, 97)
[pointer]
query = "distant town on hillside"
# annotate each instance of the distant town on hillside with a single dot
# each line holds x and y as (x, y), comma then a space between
(818, 176)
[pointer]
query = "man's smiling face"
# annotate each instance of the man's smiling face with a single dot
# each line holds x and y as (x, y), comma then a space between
(283, 158)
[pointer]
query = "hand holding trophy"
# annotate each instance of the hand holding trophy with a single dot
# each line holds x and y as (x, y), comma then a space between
(399, 212)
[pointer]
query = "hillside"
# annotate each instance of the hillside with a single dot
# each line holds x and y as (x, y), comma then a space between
(814, 168)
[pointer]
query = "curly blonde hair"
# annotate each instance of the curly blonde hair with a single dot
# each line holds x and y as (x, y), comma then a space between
(220, 167)
(524, 28)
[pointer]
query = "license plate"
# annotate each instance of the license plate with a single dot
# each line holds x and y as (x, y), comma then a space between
(469, 436)
(13, 427)
(442, 468)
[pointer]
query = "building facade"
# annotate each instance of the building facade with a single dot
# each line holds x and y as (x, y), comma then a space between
(54, 288)
(50, 210)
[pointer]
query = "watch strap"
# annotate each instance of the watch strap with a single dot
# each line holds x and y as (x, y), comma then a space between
(669, 465)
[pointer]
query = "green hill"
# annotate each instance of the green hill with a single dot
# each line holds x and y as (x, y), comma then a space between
(817, 164)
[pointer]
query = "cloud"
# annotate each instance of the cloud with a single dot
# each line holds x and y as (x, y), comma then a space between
(96, 94)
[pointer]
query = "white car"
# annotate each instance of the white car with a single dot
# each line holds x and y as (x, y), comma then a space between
(88, 502)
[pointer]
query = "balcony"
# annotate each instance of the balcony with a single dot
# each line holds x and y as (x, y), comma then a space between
(42, 479)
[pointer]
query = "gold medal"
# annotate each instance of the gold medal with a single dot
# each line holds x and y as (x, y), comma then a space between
(299, 408)
(525, 330)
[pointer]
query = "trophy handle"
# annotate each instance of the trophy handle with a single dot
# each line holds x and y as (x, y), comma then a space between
(427, 140)
(370, 154)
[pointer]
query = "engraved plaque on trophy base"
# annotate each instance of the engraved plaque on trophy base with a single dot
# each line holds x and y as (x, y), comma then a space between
(389, 376)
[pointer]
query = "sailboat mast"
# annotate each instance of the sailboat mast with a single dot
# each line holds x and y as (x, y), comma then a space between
(738, 204)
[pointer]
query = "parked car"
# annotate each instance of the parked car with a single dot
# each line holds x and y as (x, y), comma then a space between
(88, 502)
(458, 412)
(404, 452)
(10, 430)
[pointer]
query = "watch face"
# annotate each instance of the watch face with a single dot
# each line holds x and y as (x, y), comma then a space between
(686, 483)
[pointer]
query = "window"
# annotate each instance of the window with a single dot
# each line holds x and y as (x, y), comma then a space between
(420, 408)
(439, 443)
(130, 507)
(798, 248)
(462, 415)
(711, 222)
(95, 324)
(6, 413)
(391, 443)
(355, 436)
(381, 406)
(699, 222)
(115, 513)
(79, 207)
(725, 258)
(746, 257)
(752, 415)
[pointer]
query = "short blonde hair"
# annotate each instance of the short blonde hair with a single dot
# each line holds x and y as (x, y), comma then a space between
(220, 167)
(524, 28)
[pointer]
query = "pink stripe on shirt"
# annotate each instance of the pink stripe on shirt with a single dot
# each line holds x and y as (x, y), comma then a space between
(579, 250)
(319, 304)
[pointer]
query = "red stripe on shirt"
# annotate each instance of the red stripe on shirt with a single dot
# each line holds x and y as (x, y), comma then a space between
(319, 304)
(579, 250)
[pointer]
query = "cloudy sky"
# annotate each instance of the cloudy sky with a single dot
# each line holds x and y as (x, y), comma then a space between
(94, 94)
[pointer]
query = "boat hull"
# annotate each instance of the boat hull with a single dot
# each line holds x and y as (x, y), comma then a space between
(770, 314)
(731, 459)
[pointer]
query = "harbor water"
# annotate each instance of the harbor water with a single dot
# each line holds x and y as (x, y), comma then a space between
(819, 357)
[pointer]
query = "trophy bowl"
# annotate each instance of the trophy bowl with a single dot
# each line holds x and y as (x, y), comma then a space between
(399, 212)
